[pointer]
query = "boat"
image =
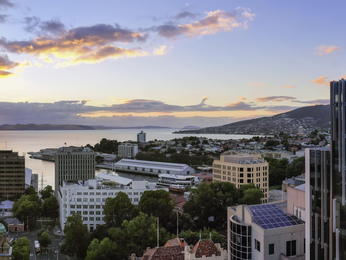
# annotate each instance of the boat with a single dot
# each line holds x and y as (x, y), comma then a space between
(177, 188)
(171, 179)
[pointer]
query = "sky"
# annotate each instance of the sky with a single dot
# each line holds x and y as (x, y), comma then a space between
(166, 63)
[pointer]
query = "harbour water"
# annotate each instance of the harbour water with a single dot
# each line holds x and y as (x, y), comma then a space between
(27, 141)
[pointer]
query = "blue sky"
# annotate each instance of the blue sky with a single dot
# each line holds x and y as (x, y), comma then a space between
(168, 63)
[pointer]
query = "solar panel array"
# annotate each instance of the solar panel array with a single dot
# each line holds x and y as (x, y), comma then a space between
(269, 216)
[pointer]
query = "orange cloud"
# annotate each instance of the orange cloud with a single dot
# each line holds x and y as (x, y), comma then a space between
(287, 86)
(6, 64)
(242, 98)
(324, 49)
(161, 50)
(258, 84)
(213, 22)
(321, 80)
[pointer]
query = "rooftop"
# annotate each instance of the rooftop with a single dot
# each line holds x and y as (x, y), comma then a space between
(269, 216)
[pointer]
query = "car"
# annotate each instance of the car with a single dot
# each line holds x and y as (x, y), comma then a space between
(58, 231)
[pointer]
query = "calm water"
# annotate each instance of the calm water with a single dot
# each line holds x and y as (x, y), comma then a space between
(27, 141)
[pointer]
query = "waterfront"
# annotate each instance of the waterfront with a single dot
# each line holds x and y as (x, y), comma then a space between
(27, 141)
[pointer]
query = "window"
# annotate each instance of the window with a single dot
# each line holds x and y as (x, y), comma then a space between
(79, 199)
(79, 193)
(91, 200)
(257, 245)
(135, 199)
(72, 206)
(91, 218)
(85, 199)
(91, 212)
(85, 193)
(271, 249)
(85, 212)
(85, 218)
(135, 193)
(291, 248)
(79, 206)
(98, 212)
(98, 206)
(98, 219)
(241, 169)
(129, 193)
(85, 206)
(91, 206)
(98, 200)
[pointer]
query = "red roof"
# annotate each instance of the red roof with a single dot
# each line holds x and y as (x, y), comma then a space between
(205, 248)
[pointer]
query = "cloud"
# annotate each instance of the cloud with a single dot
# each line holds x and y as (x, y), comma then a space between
(185, 14)
(288, 86)
(3, 18)
(87, 44)
(324, 49)
(6, 4)
(213, 22)
(53, 26)
(6, 64)
(204, 100)
(257, 85)
(77, 111)
(242, 98)
(274, 98)
(161, 50)
(321, 80)
(315, 101)
(31, 23)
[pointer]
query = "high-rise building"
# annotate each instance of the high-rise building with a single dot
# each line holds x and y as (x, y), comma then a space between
(242, 169)
(73, 163)
(325, 187)
(12, 174)
(141, 137)
(127, 150)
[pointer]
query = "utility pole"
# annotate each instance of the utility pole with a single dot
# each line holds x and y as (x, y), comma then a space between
(177, 225)
(158, 233)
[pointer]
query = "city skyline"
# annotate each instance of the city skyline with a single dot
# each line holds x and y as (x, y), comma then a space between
(165, 63)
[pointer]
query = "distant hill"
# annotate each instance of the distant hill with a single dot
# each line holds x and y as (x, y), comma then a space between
(191, 127)
(31, 127)
(310, 118)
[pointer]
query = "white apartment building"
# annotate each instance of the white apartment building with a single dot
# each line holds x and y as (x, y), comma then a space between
(141, 137)
(264, 232)
(127, 150)
(89, 199)
(73, 163)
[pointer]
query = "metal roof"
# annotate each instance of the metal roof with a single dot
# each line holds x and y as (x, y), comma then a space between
(115, 178)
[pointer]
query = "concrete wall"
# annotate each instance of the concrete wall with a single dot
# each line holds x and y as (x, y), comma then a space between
(295, 198)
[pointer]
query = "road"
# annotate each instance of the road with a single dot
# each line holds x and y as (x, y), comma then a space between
(52, 248)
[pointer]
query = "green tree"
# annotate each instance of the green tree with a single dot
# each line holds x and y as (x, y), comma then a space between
(44, 239)
(40, 232)
(136, 235)
(77, 238)
(106, 250)
(118, 209)
(252, 196)
(51, 207)
(100, 233)
(208, 204)
(160, 204)
(21, 249)
(47, 192)
(30, 191)
(26, 206)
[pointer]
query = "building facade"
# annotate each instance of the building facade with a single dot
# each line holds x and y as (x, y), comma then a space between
(127, 150)
(264, 232)
(141, 137)
(12, 174)
(89, 199)
(242, 169)
(73, 163)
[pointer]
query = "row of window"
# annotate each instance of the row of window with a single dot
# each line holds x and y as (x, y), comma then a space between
(92, 219)
(87, 212)
(240, 175)
(239, 169)
(109, 193)
(291, 247)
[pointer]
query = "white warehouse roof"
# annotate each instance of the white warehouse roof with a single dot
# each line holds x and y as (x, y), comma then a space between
(152, 164)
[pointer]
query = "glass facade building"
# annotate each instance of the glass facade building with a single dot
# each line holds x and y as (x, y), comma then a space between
(325, 183)
(240, 242)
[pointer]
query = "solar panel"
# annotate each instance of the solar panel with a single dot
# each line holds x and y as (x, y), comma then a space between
(269, 216)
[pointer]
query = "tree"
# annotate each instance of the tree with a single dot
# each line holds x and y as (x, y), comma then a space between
(44, 239)
(208, 204)
(252, 196)
(40, 232)
(21, 249)
(47, 192)
(27, 205)
(100, 233)
(77, 238)
(118, 209)
(51, 207)
(106, 250)
(30, 191)
(136, 235)
(160, 204)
